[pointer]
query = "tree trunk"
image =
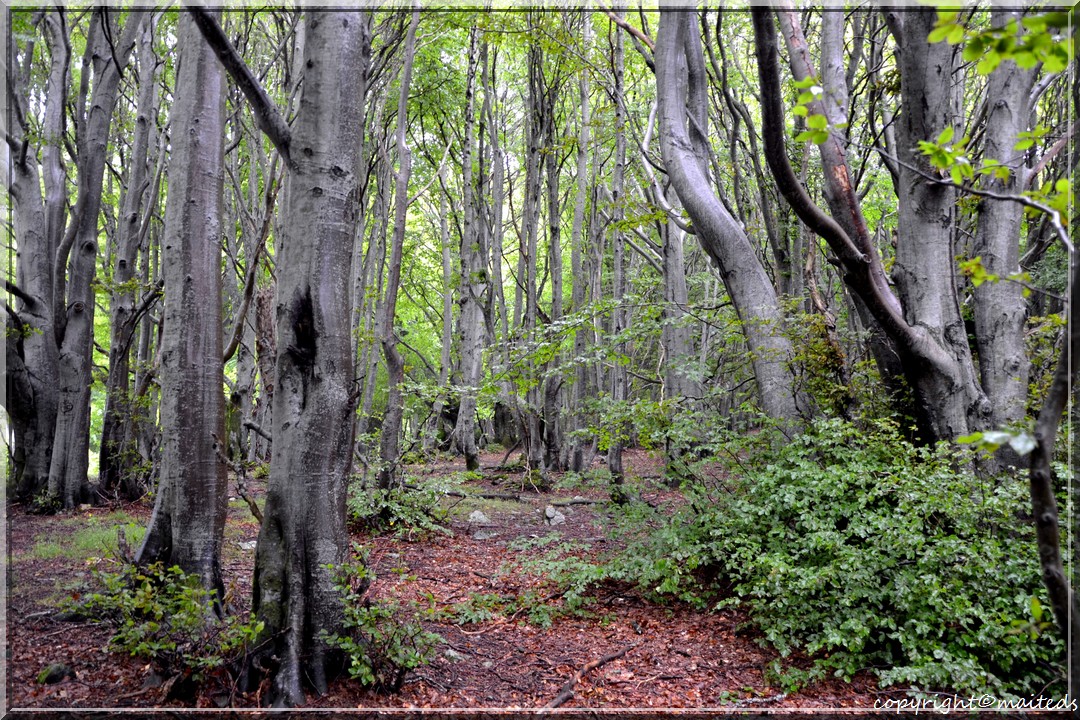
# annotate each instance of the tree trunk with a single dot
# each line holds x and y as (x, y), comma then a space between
(999, 306)
(32, 353)
(680, 82)
(68, 480)
(303, 536)
(579, 280)
(925, 272)
(474, 280)
(619, 315)
(188, 524)
(117, 466)
(390, 440)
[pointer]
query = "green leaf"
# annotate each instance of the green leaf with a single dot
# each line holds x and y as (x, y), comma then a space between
(799, 110)
(988, 64)
(946, 135)
(817, 122)
(1036, 609)
(956, 35)
(1024, 144)
(970, 439)
(939, 33)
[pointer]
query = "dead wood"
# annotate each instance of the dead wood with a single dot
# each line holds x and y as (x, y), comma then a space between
(567, 691)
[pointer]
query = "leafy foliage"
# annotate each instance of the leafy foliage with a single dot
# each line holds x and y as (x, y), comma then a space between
(410, 510)
(380, 647)
(866, 551)
(165, 616)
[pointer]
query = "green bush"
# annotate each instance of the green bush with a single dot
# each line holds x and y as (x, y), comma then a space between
(866, 552)
(165, 616)
(380, 647)
(413, 510)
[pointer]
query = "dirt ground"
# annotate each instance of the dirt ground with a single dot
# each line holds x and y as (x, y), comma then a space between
(627, 652)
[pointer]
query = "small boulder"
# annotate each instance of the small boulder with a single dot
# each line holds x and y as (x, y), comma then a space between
(478, 517)
(55, 673)
(553, 516)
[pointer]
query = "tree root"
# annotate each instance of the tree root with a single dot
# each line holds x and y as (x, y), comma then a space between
(567, 691)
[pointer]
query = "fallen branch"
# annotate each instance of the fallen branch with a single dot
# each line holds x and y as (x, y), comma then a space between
(567, 691)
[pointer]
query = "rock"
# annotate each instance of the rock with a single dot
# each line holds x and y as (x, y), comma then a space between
(453, 655)
(55, 673)
(553, 516)
(478, 517)
(482, 534)
(247, 544)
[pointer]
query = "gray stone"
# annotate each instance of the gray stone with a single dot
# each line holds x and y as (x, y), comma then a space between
(453, 655)
(482, 534)
(55, 673)
(553, 516)
(247, 544)
(478, 517)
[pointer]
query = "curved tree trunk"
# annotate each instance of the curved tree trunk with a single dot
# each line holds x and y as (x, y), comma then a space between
(74, 298)
(188, 523)
(680, 79)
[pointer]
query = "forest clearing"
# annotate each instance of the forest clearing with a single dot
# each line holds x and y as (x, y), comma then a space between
(615, 358)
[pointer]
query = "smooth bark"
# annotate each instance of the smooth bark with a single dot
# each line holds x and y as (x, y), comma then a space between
(188, 524)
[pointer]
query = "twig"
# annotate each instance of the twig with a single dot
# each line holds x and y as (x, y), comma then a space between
(241, 478)
(567, 691)
(258, 431)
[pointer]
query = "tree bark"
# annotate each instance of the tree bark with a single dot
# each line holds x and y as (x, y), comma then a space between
(390, 440)
(117, 469)
(999, 306)
(619, 315)
(188, 524)
(474, 280)
(32, 352)
(68, 480)
(680, 88)
(303, 535)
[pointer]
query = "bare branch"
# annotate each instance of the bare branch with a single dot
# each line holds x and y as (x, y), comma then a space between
(267, 116)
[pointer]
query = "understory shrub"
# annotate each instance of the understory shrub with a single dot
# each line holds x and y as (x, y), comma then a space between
(165, 616)
(380, 643)
(865, 552)
(410, 510)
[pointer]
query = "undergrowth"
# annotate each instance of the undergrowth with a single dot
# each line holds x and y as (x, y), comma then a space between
(164, 615)
(855, 547)
(381, 643)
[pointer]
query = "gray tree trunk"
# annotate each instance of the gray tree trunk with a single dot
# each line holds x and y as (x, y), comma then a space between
(117, 469)
(32, 352)
(390, 440)
(579, 280)
(680, 81)
(619, 315)
(303, 535)
(999, 306)
(949, 403)
(68, 481)
(188, 524)
(474, 280)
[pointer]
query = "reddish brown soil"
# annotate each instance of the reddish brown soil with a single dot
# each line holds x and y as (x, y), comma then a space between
(675, 656)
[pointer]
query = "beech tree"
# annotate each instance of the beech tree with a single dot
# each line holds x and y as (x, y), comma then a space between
(188, 523)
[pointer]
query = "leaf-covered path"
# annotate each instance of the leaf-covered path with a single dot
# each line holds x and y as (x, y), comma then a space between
(620, 651)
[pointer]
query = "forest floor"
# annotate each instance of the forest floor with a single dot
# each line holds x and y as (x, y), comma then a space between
(493, 655)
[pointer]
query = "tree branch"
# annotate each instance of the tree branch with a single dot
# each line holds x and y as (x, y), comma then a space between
(267, 116)
(567, 691)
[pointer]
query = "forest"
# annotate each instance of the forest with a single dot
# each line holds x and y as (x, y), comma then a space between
(602, 358)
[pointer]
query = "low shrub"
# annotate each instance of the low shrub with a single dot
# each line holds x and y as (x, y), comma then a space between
(866, 552)
(165, 616)
(381, 645)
